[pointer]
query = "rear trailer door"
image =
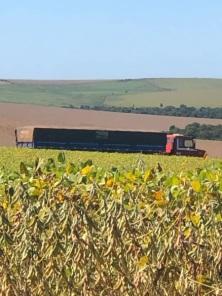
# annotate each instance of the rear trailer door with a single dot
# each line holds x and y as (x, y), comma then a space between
(24, 137)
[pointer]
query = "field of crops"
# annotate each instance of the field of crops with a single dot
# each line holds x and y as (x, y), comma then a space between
(120, 225)
(10, 159)
(129, 92)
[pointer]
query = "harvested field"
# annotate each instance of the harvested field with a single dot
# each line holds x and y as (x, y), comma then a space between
(14, 115)
(213, 148)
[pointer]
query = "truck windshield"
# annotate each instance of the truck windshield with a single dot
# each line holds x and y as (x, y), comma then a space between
(186, 143)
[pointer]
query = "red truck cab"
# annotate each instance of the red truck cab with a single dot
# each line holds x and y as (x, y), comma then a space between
(178, 144)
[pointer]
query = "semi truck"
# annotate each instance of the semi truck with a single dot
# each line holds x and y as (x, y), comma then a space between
(106, 140)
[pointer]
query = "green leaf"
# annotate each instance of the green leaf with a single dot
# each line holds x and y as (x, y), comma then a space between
(175, 181)
(23, 169)
(61, 157)
(33, 191)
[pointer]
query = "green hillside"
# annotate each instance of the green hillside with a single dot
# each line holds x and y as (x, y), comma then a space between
(139, 92)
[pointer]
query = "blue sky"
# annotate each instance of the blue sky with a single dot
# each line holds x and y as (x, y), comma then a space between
(66, 39)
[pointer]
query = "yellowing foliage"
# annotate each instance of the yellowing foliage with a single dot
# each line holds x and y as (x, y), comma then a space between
(196, 185)
(195, 218)
(160, 198)
(142, 263)
(86, 170)
(110, 182)
(79, 229)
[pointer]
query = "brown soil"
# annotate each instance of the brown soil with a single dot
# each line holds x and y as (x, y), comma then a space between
(14, 115)
(213, 148)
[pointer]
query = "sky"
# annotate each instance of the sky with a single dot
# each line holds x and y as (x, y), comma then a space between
(104, 39)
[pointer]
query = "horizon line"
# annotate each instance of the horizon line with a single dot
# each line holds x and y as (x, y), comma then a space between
(106, 79)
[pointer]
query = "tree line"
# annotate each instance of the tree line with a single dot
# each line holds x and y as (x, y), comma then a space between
(181, 111)
(199, 131)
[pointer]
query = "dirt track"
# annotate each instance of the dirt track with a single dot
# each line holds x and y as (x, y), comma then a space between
(14, 115)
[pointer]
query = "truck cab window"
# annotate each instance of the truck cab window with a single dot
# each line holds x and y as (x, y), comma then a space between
(185, 143)
(189, 143)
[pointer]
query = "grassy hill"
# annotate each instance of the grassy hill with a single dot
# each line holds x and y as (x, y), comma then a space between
(139, 92)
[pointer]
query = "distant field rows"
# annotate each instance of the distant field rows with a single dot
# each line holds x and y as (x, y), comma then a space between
(137, 92)
(14, 115)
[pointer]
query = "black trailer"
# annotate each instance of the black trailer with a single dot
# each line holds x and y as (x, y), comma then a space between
(99, 140)
(106, 140)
